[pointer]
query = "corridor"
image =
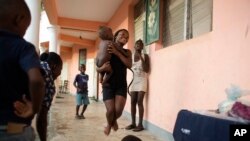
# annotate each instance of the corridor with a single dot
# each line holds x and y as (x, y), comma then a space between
(64, 127)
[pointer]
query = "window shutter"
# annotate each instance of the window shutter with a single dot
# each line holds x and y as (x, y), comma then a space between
(139, 22)
(174, 22)
(139, 27)
(201, 16)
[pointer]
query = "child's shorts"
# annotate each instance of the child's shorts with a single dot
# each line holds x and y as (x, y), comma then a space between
(82, 99)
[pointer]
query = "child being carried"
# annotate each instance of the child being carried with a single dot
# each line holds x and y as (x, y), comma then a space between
(103, 55)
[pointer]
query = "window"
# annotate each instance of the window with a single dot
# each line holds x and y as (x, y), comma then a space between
(185, 19)
(139, 20)
(139, 23)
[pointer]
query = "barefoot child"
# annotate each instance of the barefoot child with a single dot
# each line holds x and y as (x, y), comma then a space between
(103, 55)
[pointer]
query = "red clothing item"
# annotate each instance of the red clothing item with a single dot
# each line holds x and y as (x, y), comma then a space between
(241, 110)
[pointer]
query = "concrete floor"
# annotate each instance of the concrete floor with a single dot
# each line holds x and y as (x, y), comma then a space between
(64, 127)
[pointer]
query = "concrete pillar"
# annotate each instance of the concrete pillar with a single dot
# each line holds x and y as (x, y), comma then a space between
(53, 42)
(32, 33)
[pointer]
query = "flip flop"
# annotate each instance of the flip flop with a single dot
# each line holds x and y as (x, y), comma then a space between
(82, 117)
(131, 126)
(138, 129)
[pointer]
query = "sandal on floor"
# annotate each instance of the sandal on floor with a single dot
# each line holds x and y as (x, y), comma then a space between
(77, 117)
(131, 126)
(138, 129)
(82, 117)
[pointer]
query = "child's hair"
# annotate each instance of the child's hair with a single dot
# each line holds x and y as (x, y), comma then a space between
(103, 34)
(139, 41)
(9, 9)
(83, 65)
(131, 138)
(51, 58)
(44, 56)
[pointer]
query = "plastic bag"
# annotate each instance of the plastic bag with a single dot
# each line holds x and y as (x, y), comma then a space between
(233, 94)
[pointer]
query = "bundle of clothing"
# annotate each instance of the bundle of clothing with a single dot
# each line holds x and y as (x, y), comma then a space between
(240, 110)
(237, 104)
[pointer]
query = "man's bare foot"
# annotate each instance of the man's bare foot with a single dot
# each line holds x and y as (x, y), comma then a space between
(115, 126)
(107, 130)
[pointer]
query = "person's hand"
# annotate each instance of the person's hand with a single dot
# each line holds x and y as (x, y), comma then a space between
(112, 48)
(106, 67)
(23, 109)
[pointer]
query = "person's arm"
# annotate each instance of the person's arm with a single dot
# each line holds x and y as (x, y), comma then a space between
(23, 109)
(145, 62)
(36, 87)
(127, 61)
(106, 67)
(29, 62)
(75, 83)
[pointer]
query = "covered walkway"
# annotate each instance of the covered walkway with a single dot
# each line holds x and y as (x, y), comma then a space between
(64, 127)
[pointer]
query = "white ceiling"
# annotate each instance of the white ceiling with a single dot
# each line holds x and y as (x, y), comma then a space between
(86, 10)
(92, 10)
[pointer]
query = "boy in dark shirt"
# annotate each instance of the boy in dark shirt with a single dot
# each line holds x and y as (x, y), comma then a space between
(81, 85)
(20, 76)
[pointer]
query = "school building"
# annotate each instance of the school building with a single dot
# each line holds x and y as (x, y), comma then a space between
(197, 48)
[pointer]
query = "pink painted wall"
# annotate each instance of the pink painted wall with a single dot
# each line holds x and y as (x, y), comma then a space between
(66, 58)
(193, 74)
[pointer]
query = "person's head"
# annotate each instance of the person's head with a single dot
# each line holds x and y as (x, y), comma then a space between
(131, 138)
(121, 36)
(44, 56)
(54, 61)
(139, 45)
(14, 16)
(82, 68)
(105, 33)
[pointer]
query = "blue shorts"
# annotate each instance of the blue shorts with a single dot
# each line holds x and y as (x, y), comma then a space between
(82, 99)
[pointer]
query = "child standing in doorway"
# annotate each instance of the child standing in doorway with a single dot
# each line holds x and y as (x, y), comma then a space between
(81, 85)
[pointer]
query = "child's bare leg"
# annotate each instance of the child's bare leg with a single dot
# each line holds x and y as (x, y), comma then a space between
(101, 77)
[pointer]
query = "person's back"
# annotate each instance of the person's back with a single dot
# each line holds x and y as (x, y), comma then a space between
(103, 56)
(106, 37)
(19, 72)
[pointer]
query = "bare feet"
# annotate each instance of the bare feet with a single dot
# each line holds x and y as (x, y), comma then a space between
(107, 130)
(115, 126)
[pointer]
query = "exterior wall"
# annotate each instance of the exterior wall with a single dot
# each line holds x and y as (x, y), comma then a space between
(66, 58)
(194, 74)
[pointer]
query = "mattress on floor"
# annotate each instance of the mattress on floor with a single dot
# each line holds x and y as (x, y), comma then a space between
(202, 126)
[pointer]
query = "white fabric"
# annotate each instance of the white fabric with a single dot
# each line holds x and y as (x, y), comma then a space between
(140, 77)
